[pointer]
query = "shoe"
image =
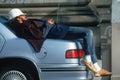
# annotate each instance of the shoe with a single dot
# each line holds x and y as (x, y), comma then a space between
(103, 72)
(89, 65)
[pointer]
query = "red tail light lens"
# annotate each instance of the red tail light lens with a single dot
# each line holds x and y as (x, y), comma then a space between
(75, 54)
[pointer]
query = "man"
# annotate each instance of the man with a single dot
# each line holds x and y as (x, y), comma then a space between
(29, 28)
(36, 31)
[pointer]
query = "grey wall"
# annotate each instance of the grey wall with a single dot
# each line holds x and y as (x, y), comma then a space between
(116, 40)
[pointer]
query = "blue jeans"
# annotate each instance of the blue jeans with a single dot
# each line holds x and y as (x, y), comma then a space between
(77, 33)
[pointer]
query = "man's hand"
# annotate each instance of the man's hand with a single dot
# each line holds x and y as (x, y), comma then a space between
(51, 21)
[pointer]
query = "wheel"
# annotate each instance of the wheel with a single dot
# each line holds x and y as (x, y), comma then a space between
(13, 75)
(16, 73)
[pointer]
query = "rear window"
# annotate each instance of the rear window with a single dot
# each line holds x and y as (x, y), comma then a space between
(3, 20)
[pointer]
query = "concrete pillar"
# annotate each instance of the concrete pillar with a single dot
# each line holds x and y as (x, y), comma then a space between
(115, 40)
(106, 61)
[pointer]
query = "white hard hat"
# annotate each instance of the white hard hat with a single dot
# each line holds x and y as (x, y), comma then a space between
(15, 13)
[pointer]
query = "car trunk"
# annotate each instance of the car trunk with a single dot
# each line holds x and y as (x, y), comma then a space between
(61, 53)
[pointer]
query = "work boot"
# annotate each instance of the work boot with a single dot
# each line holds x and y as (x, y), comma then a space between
(89, 65)
(103, 72)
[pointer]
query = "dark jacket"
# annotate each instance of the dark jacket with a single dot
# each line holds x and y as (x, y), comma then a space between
(31, 31)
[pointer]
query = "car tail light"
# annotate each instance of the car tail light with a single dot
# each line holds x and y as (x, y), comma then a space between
(75, 54)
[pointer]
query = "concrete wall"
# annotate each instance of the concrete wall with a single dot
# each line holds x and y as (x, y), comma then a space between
(116, 40)
(38, 1)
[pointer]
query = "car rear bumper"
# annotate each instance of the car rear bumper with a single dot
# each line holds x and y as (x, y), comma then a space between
(66, 74)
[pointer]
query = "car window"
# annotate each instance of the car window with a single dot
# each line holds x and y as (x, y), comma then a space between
(2, 40)
(3, 19)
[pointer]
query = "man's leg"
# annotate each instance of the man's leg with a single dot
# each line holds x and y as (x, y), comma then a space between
(91, 52)
(87, 36)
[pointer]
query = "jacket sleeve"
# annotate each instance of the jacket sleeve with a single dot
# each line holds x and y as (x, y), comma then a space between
(47, 29)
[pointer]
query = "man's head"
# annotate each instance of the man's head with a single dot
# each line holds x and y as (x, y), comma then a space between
(17, 14)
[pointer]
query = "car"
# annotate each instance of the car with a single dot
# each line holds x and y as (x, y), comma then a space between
(57, 59)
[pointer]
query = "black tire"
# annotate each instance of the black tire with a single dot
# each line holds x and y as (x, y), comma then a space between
(15, 73)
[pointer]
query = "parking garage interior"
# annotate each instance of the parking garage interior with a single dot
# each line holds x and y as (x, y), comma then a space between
(93, 14)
